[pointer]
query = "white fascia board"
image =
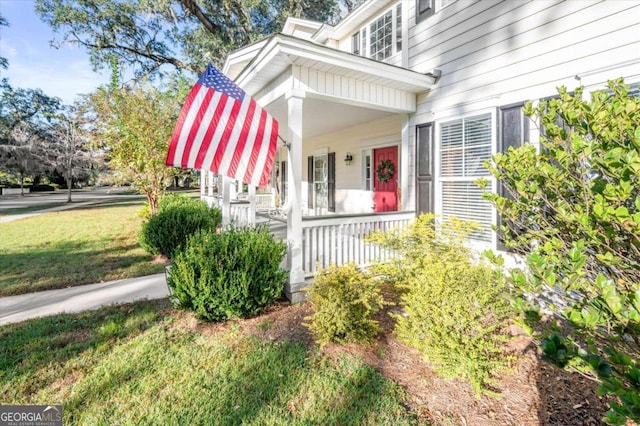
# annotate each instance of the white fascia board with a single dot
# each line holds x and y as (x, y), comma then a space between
(259, 62)
(280, 44)
(245, 54)
(324, 33)
(291, 23)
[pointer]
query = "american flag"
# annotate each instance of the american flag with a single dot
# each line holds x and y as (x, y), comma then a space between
(222, 129)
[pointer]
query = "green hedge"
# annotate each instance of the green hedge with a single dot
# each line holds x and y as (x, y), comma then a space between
(455, 309)
(178, 218)
(230, 274)
(343, 300)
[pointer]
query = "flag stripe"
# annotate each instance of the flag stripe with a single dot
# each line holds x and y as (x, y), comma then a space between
(266, 156)
(238, 139)
(238, 113)
(271, 154)
(250, 161)
(214, 130)
(250, 134)
(191, 138)
(183, 123)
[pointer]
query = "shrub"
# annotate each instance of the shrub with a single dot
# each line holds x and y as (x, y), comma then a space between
(455, 310)
(579, 198)
(343, 300)
(178, 218)
(230, 274)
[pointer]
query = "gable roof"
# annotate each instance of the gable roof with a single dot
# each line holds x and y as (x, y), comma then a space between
(275, 54)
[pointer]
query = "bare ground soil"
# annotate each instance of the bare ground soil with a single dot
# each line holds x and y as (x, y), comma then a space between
(531, 393)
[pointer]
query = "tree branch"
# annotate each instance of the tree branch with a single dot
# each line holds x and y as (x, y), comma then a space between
(212, 27)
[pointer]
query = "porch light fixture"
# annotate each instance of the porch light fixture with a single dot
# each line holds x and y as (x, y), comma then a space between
(348, 159)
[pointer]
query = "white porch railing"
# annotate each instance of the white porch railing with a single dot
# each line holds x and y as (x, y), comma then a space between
(265, 202)
(341, 239)
(212, 201)
(240, 213)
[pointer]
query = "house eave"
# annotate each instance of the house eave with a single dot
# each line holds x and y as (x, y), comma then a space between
(282, 51)
(237, 60)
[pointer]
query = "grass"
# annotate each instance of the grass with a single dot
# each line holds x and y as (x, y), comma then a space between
(144, 364)
(73, 247)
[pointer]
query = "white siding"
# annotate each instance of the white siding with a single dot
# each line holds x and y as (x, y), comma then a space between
(355, 90)
(494, 53)
(514, 50)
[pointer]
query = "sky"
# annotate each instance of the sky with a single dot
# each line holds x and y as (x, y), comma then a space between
(35, 64)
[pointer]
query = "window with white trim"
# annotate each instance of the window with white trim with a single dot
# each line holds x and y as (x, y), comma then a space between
(426, 8)
(465, 145)
(381, 38)
(366, 170)
(355, 43)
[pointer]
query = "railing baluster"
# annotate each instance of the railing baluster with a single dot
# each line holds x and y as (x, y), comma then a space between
(340, 239)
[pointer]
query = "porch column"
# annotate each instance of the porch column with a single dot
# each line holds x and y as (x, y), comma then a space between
(294, 194)
(211, 183)
(226, 200)
(405, 197)
(252, 205)
(203, 184)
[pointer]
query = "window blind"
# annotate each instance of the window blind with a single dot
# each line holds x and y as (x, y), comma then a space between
(465, 145)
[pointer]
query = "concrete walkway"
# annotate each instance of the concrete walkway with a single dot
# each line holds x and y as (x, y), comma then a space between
(81, 298)
(7, 219)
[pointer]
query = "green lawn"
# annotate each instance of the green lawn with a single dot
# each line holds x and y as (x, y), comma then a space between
(73, 247)
(145, 364)
(30, 209)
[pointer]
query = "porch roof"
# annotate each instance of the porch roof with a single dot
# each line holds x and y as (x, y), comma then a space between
(279, 52)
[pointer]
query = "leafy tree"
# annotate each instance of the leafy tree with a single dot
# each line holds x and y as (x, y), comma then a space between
(25, 116)
(186, 34)
(4, 63)
(134, 127)
(68, 145)
(574, 212)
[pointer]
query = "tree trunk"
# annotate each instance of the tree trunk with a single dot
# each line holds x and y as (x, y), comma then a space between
(153, 204)
(69, 184)
(22, 184)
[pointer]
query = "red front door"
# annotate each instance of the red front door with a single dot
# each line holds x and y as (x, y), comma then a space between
(385, 179)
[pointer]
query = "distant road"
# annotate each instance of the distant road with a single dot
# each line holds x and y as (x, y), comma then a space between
(8, 202)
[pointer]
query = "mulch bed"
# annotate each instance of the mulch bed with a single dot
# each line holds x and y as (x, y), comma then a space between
(531, 393)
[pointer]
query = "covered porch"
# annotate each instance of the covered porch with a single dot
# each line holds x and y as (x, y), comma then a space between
(341, 116)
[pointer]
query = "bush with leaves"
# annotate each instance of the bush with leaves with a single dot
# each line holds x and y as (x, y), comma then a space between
(177, 219)
(574, 212)
(456, 310)
(229, 274)
(343, 299)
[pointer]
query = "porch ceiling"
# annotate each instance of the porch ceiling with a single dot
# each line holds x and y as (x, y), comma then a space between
(322, 116)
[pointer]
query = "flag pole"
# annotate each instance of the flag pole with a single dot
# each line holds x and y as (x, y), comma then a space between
(284, 142)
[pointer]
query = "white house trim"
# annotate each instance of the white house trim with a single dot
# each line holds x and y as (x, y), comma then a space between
(282, 51)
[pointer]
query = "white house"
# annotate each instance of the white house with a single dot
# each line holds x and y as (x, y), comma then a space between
(393, 111)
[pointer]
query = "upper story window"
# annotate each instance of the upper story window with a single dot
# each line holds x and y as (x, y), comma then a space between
(355, 43)
(382, 37)
(426, 8)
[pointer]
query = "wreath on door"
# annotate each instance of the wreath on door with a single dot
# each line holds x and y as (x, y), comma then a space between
(385, 171)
